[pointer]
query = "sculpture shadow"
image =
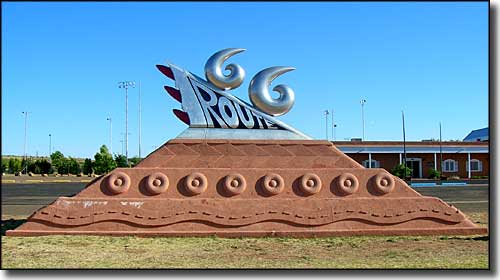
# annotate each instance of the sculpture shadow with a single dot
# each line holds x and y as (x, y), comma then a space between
(11, 224)
(182, 189)
(104, 189)
(143, 189)
(297, 190)
(219, 187)
(335, 189)
(370, 186)
(259, 189)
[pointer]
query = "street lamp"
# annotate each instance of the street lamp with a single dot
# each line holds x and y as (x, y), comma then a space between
(50, 144)
(326, 122)
(363, 101)
(121, 141)
(334, 127)
(404, 144)
(110, 135)
(126, 85)
(139, 119)
(25, 140)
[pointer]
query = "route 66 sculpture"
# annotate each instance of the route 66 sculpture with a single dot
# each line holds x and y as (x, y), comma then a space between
(209, 104)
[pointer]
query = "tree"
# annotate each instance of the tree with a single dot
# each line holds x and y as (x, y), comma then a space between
(14, 165)
(33, 168)
(401, 171)
(44, 166)
(103, 161)
(87, 166)
(63, 166)
(5, 165)
(121, 161)
(73, 166)
(57, 159)
(134, 161)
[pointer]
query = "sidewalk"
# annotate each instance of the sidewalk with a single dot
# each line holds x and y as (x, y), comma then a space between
(25, 179)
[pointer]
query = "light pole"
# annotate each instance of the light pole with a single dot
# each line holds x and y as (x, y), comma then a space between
(363, 101)
(126, 85)
(440, 151)
(50, 144)
(110, 134)
(139, 119)
(25, 140)
(334, 126)
(121, 141)
(404, 145)
(326, 122)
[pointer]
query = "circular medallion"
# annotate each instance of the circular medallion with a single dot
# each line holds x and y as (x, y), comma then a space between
(384, 183)
(235, 184)
(273, 184)
(157, 183)
(118, 182)
(348, 184)
(310, 183)
(196, 183)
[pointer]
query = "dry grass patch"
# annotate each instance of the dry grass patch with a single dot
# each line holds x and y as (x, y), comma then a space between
(434, 252)
(212, 252)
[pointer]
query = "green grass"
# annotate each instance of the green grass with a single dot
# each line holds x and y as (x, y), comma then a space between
(212, 252)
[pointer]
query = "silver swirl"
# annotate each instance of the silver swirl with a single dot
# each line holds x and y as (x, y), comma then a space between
(214, 74)
(261, 98)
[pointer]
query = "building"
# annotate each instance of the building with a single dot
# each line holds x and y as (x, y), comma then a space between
(462, 159)
(478, 135)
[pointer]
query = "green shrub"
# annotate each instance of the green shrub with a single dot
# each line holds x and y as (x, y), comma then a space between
(5, 165)
(434, 174)
(87, 166)
(15, 165)
(401, 171)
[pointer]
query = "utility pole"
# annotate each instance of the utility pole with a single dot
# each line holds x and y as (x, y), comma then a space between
(326, 122)
(363, 101)
(110, 135)
(126, 85)
(139, 119)
(404, 144)
(440, 151)
(50, 144)
(121, 141)
(334, 133)
(333, 123)
(25, 141)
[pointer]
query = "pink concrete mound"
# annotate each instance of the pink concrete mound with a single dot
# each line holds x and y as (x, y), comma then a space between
(235, 188)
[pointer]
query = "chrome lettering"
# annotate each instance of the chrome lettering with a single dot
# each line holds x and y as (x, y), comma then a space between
(233, 120)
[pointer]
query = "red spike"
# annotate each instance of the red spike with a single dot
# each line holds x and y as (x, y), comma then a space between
(183, 116)
(166, 71)
(176, 94)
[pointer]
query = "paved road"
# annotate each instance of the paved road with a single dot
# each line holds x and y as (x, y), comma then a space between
(465, 198)
(21, 200)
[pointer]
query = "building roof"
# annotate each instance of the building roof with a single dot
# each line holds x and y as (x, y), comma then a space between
(411, 147)
(478, 135)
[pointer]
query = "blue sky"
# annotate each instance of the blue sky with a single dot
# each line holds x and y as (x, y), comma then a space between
(63, 61)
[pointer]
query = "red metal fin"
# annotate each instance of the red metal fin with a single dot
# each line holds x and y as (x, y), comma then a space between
(166, 71)
(183, 116)
(176, 94)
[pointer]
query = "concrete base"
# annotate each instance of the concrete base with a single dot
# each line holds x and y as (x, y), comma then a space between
(233, 188)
